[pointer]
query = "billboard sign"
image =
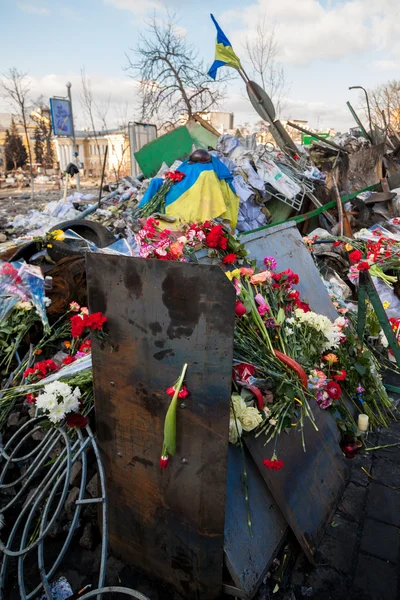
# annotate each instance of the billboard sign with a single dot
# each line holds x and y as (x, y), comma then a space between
(61, 117)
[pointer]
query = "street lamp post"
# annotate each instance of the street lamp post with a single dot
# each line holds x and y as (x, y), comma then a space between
(359, 87)
(75, 152)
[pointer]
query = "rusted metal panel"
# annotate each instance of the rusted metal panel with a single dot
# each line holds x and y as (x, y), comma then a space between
(248, 556)
(161, 315)
(285, 243)
(310, 483)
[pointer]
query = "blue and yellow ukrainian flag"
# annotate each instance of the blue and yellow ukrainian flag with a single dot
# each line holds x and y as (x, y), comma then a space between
(205, 193)
(224, 54)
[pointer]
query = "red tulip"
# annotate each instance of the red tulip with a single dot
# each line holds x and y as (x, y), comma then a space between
(240, 309)
(163, 462)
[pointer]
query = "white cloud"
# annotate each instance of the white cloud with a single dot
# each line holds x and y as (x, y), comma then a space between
(121, 92)
(137, 7)
(308, 31)
(33, 9)
(385, 65)
(318, 114)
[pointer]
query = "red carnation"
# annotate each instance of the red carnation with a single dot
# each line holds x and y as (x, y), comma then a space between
(240, 309)
(274, 464)
(86, 346)
(68, 360)
(50, 365)
(182, 394)
(292, 277)
(341, 376)
(77, 325)
(95, 321)
(216, 238)
(31, 399)
(229, 259)
(355, 256)
(76, 420)
(337, 243)
(294, 294)
(363, 266)
(333, 390)
(303, 305)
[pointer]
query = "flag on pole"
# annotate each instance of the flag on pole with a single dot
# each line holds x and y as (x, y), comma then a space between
(224, 54)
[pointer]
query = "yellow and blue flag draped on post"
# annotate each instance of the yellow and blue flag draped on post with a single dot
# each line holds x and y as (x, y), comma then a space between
(205, 193)
(224, 54)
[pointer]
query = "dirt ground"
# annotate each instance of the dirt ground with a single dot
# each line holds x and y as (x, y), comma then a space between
(15, 202)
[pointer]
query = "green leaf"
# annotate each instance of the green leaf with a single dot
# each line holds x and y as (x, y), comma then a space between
(280, 318)
(360, 369)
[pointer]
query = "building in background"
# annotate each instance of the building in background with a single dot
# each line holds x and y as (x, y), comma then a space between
(91, 148)
(221, 121)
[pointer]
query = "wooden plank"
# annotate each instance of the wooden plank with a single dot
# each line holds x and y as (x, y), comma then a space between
(161, 315)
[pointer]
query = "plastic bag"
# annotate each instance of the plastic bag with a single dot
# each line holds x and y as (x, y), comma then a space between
(386, 294)
(273, 175)
(20, 282)
(79, 365)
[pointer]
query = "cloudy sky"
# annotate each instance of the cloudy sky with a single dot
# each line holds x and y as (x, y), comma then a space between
(325, 47)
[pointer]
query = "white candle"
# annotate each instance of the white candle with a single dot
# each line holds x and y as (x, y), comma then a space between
(363, 422)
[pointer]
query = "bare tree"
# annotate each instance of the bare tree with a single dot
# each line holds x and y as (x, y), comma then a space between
(385, 97)
(43, 132)
(16, 89)
(89, 107)
(262, 49)
(173, 80)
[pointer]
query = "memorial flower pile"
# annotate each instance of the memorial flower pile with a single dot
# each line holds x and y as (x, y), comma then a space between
(289, 360)
(294, 361)
(156, 242)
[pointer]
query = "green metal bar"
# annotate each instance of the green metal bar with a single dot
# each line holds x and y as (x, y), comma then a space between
(317, 211)
(391, 388)
(381, 314)
(357, 120)
(362, 306)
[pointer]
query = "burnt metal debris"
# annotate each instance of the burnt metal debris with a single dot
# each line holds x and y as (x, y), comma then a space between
(38, 508)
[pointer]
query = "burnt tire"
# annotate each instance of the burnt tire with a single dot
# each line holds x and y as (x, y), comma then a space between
(25, 252)
(89, 230)
(94, 232)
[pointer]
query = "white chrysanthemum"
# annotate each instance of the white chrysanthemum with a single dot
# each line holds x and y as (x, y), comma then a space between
(58, 388)
(71, 404)
(57, 400)
(57, 414)
(46, 401)
(331, 331)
